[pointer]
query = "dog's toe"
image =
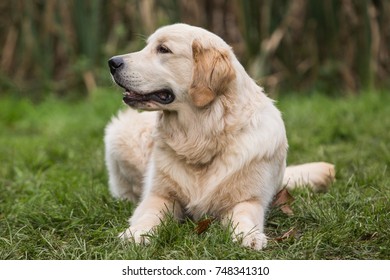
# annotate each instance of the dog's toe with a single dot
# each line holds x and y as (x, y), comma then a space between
(255, 241)
(135, 235)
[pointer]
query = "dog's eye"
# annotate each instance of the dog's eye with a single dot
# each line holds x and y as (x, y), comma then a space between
(163, 49)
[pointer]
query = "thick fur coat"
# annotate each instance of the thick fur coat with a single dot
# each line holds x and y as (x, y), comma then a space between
(216, 145)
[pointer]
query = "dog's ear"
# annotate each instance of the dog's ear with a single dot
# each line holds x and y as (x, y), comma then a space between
(211, 75)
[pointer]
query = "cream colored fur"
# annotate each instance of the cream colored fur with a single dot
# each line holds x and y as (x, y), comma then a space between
(219, 149)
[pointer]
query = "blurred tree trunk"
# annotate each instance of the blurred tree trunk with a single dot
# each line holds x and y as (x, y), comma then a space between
(218, 16)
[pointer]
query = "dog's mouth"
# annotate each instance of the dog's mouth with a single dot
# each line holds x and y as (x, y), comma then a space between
(163, 96)
(133, 98)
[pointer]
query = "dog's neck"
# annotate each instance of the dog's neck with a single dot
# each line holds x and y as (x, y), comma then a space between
(191, 135)
(195, 134)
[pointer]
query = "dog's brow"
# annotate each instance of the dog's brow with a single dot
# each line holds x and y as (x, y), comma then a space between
(159, 41)
(163, 40)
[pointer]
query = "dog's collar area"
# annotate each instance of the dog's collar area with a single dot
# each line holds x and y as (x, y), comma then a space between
(164, 96)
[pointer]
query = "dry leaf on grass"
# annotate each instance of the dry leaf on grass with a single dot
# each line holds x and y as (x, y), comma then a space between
(203, 225)
(283, 200)
(292, 232)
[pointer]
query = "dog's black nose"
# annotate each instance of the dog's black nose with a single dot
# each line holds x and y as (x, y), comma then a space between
(115, 63)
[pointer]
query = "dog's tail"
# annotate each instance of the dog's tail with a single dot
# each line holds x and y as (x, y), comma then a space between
(316, 175)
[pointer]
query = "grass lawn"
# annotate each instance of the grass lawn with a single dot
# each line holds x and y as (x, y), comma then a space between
(55, 204)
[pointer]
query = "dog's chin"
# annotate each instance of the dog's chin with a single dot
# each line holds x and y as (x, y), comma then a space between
(156, 100)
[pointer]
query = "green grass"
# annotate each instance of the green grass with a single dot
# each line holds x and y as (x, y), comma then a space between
(55, 204)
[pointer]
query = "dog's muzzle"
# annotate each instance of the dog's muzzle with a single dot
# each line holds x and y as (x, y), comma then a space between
(131, 97)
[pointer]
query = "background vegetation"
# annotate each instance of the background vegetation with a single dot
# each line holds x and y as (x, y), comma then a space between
(55, 204)
(334, 46)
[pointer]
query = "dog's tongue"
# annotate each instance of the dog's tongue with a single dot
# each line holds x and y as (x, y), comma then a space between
(164, 96)
(134, 96)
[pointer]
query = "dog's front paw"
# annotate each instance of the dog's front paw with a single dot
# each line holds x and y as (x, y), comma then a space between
(139, 236)
(254, 240)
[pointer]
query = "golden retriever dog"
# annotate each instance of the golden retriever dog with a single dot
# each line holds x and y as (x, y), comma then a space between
(214, 144)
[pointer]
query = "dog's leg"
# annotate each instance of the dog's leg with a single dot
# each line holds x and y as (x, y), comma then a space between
(247, 220)
(128, 144)
(148, 215)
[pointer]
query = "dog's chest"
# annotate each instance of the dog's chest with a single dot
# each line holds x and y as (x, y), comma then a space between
(198, 192)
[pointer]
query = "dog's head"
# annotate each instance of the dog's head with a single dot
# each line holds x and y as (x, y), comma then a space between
(180, 64)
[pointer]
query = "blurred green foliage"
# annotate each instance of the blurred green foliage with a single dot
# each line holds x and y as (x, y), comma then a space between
(334, 46)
